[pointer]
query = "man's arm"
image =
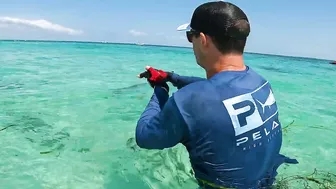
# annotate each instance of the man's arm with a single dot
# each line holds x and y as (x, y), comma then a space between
(161, 125)
(181, 81)
(159, 76)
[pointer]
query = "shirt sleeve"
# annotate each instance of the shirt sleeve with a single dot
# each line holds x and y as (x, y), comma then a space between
(181, 81)
(160, 126)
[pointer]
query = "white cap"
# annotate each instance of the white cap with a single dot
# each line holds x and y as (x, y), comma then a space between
(184, 27)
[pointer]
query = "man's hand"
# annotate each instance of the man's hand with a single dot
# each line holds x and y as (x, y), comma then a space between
(156, 77)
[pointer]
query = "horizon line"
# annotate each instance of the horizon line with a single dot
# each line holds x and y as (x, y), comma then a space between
(154, 45)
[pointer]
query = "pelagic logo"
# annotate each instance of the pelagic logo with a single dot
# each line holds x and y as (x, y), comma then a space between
(251, 111)
(269, 101)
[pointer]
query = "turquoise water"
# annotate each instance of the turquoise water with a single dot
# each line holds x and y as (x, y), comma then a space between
(69, 110)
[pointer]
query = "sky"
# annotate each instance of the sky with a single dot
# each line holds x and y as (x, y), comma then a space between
(293, 28)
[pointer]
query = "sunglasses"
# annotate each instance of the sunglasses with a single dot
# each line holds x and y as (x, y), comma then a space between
(190, 34)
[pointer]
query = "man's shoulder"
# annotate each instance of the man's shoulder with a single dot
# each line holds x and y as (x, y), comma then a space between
(197, 88)
(194, 93)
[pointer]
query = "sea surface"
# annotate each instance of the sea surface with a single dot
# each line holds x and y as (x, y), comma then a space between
(68, 113)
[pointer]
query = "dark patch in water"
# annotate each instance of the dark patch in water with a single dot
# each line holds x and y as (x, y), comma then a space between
(46, 152)
(11, 86)
(132, 87)
(6, 127)
(55, 142)
(42, 58)
(30, 140)
(274, 69)
(45, 82)
(84, 150)
(57, 149)
(57, 138)
(43, 134)
(286, 128)
(131, 144)
(27, 123)
(328, 112)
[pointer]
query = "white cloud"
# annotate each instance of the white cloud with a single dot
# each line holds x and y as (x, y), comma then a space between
(137, 33)
(42, 24)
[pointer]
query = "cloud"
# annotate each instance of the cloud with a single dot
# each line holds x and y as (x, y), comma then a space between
(137, 33)
(42, 24)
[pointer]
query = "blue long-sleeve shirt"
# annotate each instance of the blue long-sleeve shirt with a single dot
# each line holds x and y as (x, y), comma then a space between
(228, 123)
(181, 81)
(155, 123)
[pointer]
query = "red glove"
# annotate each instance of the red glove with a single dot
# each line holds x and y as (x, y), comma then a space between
(155, 77)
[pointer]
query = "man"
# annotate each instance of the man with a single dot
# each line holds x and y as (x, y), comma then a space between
(228, 121)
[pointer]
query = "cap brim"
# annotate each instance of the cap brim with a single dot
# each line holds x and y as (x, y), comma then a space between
(184, 27)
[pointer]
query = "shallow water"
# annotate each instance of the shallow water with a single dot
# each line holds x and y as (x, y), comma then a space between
(69, 110)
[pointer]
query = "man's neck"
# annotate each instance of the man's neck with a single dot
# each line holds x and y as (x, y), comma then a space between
(225, 63)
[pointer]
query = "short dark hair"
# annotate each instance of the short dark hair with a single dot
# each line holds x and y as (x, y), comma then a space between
(225, 23)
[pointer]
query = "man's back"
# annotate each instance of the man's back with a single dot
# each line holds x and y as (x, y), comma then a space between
(229, 121)
(234, 135)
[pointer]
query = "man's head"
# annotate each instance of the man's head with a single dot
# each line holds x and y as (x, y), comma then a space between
(217, 29)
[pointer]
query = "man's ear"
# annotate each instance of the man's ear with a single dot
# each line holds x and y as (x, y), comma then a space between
(204, 39)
